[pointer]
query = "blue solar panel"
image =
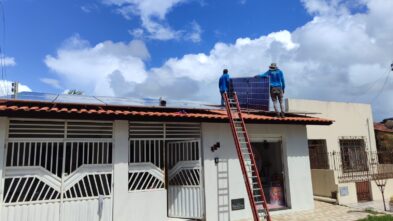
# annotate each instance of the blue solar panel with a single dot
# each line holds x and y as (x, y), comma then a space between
(105, 100)
(253, 93)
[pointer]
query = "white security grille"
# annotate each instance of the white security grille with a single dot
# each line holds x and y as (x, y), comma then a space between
(146, 130)
(83, 129)
(22, 128)
(183, 130)
(168, 131)
(86, 167)
(52, 165)
(91, 185)
(36, 129)
(28, 189)
(146, 164)
(29, 154)
(185, 198)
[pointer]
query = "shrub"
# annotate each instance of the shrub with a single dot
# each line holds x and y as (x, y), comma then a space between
(378, 218)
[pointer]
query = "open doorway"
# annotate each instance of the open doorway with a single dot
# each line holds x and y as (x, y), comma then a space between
(268, 157)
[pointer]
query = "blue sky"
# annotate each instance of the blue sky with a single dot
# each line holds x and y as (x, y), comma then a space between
(177, 48)
(36, 28)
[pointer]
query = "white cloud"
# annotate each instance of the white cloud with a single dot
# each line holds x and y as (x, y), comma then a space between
(332, 7)
(336, 56)
(137, 33)
(8, 61)
(88, 68)
(88, 8)
(5, 88)
(195, 34)
(51, 82)
(152, 14)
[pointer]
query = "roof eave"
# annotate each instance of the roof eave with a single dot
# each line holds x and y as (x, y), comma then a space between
(179, 118)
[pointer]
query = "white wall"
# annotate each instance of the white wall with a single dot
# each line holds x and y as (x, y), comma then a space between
(296, 165)
(350, 119)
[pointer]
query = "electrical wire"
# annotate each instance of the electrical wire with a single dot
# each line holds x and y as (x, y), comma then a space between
(383, 87)
(369, 86)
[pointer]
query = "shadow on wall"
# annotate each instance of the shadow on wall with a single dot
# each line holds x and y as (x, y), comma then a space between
(223, 202)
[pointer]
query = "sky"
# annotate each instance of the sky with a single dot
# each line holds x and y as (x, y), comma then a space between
(334, 50)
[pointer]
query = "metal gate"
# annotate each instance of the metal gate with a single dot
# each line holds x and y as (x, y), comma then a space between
(65, 179)
(185, 194)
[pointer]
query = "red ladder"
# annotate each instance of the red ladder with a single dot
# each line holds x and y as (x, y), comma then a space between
(246, 159)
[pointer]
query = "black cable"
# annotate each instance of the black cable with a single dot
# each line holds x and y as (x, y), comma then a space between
(383, 87)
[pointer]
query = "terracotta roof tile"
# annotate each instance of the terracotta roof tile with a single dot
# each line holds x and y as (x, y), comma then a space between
(382, 127)
(153, 112)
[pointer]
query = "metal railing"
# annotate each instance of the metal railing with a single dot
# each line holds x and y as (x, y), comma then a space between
(357, 165)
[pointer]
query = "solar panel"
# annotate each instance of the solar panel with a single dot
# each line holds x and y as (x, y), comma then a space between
(253, 93)
(106, 100)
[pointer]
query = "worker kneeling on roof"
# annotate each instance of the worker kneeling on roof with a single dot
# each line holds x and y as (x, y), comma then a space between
(277, 86)
(223, 84)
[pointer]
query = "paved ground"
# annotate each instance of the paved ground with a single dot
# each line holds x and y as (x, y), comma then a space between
(324, 212)
(377, 205)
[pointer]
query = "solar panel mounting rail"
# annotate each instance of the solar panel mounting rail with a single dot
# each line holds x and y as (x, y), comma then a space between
(253, 183)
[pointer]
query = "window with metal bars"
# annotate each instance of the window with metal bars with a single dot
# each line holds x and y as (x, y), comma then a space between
(353, 154)
(318, 154)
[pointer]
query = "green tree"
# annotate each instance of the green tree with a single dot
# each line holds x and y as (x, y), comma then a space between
(74, 92)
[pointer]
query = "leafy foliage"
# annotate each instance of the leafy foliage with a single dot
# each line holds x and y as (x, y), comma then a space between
(74, 92)
(378, 218)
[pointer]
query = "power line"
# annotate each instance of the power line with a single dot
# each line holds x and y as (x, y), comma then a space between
(383, 86)
(369, 86)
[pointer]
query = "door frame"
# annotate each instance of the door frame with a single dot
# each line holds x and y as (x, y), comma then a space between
(281, 141)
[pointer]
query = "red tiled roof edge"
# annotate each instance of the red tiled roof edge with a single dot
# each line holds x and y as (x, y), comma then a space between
(12, 106)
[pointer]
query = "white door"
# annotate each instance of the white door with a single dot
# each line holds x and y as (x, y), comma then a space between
(57, 180)
(185, 194)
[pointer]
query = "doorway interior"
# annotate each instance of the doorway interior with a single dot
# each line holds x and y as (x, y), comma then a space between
(268, 157)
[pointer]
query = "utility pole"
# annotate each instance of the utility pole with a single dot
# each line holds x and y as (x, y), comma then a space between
(15, 89)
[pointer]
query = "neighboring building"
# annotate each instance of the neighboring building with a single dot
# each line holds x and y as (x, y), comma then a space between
(384, 135)
(343, 157)
(86, 161)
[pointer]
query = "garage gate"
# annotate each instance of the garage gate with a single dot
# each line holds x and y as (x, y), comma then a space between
(167, 156)
(58, 170)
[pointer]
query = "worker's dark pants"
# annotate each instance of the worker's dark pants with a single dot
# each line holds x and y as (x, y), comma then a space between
(222, 98)
(277, 93)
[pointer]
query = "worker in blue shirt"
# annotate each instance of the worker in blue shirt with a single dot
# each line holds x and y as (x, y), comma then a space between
(223, 84)
(277, 87)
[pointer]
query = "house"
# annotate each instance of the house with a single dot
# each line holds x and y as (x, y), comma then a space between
(344, 157)
(95, 158)
(384, 135)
